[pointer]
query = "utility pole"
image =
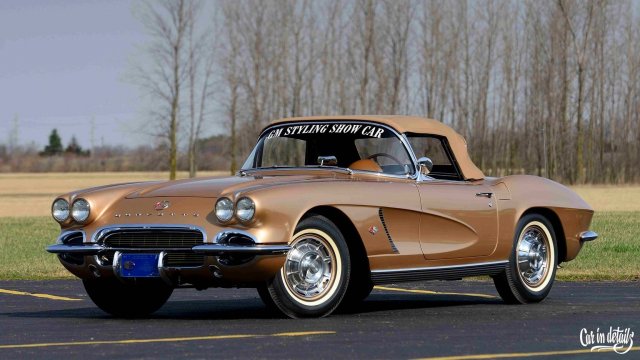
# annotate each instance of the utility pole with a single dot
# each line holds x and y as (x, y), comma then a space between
(92, 135)
(14, 134)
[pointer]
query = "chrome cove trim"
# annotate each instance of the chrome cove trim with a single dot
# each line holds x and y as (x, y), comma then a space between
(588, 235)
(437, 272)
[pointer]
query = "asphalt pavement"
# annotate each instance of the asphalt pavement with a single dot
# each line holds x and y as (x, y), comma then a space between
(457, 320)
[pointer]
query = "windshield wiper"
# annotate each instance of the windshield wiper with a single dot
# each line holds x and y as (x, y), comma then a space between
(288, 167)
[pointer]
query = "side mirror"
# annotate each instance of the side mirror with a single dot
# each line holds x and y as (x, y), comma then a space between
(425, 165)
(327, 161)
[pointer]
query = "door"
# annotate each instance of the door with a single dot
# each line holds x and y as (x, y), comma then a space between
(458, 219)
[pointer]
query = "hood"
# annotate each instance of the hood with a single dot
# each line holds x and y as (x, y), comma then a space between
(213, 187)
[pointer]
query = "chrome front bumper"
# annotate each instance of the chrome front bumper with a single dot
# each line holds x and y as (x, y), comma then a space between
(205, 249)
(219, 246)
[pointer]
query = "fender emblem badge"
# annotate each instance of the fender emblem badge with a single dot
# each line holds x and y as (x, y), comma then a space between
(162, 205)
(373, 230)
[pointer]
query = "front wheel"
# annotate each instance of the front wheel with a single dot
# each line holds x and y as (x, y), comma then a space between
(128, 300)
(315, 274)
(532, 266)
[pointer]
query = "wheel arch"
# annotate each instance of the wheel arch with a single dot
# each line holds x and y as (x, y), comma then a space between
(554, 219)
(357, 250)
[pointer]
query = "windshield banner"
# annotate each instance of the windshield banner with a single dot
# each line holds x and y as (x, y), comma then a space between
(356, 129)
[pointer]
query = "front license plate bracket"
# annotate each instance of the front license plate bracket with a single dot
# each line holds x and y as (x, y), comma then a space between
(139, 265)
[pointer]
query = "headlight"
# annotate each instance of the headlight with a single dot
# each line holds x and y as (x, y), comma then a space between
(80, 210)
(245, 209)
(224, 209)
(60, 210)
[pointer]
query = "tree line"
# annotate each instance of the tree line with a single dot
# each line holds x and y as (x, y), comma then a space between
(548, 87)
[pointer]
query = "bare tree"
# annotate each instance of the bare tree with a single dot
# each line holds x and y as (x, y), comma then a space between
(549, 87)
(200, 70)
(167, 23)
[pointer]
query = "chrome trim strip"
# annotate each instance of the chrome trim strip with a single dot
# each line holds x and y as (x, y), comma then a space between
(437, 272)
(222, 249)
(439, 267)
(206, 249)
(85, 249)
(588, 235)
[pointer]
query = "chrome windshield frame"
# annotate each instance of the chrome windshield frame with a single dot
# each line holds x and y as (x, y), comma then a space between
(403, 139)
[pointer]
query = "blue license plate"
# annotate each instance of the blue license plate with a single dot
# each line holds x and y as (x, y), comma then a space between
(139, 265)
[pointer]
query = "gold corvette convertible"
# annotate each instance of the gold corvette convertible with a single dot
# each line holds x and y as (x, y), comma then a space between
(323, 209)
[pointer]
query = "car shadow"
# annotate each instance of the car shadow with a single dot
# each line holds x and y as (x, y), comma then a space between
(398, 302)
(253, 308)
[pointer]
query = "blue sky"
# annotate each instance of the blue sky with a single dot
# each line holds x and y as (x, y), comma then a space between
(63, 63)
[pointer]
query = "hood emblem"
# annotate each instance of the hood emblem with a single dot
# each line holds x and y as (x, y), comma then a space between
(162, 205)
(373, 230)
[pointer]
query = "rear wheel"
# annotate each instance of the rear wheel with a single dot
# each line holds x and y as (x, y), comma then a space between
(128, 300)
(316, 273)
(531, 270)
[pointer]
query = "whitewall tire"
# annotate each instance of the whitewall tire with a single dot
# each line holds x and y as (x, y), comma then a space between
(532, 265)
(315, 274)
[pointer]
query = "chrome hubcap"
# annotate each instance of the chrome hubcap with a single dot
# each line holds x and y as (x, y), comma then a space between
(309, 267)
(533, 256)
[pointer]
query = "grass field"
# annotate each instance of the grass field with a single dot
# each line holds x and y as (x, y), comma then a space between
(26, 226)
(29, 194)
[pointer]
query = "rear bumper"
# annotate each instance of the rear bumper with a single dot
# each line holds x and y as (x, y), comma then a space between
(588, 236)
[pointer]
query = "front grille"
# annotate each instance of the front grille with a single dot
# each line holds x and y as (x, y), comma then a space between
(183, 259)
(154, 238)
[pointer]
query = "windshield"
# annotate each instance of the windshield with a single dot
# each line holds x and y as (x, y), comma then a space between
(354, 145)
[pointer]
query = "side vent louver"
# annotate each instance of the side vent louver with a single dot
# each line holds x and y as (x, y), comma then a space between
(386, 231)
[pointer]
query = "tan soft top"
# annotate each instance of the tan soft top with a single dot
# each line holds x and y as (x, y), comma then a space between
(412, 124)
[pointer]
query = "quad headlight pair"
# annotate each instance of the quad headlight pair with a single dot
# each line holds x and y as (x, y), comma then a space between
(244, 209)
(79, 211)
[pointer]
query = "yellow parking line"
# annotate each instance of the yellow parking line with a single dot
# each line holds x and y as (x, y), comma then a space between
(434, 292)
(44, 296)
(160, 340)
(521, 355)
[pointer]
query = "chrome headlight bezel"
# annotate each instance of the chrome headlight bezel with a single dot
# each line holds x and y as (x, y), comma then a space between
(224, 209)
(80, 210)
(245, 209)
(63, 209)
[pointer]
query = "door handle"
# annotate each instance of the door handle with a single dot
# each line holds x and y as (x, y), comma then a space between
(485, 194)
